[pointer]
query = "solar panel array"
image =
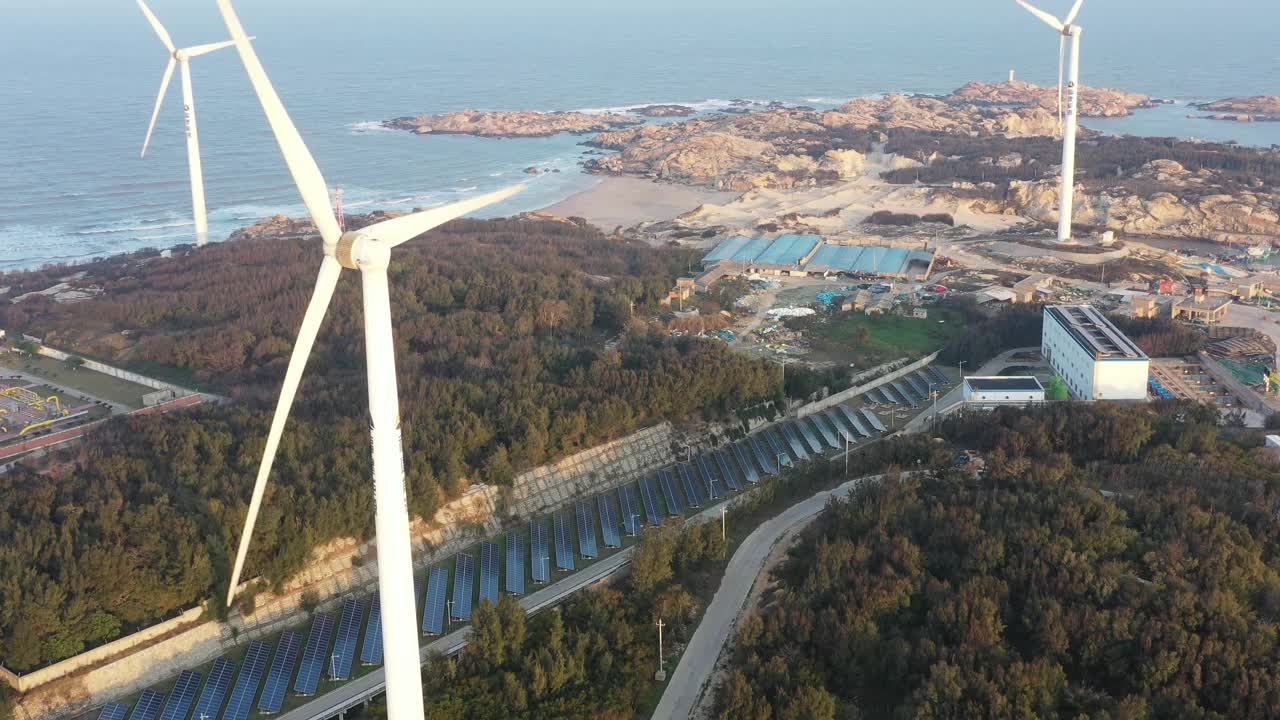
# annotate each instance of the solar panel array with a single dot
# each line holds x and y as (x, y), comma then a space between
(855, 419)
(727, 471)
(251, 669)
(113, 711)
(630, 505)
(464, 578)
(314, 655)
(539, 552)
(181, 696)
(779, 447)
(371, 648)
(668, 484)
(938, 376)
(433, 611)
(148, 705)
(280, 672)
(649, 496)
(586, 530)
(608, 522)
(564, 541)
(515, 563)
(742, 453)
(794, 442)
(812, 443)
(875, 421)
(764, 454)
(215, 690)
(690, 485)
(919, 384)
(344, 648)
(489, 572)
(709, 475)
(822, 427)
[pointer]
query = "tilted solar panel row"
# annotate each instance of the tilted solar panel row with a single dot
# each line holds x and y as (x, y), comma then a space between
(630, 504)
(794, 443)
(812, 443)
(912, 399)
(344, 647)
(854, 419)
(742, 453)
(564, 541)
(586, 530)
(938, 376)
(919, 385)
(515, 563)
(691, 490)
(251, 670)
(433, 619)
(148, 705)
(113, 711)
(464, 577)
(710, 478)
(181, 696)
(764, 454)
(608, 522)
(824, 430)
(779, 447)
(371, 648)
(649, 496)
(539, 552)
(489, 572)
(315, 654)
(215, 689)
(727, 471)
(280, 673)
(875, 421)
(844, 430)
(668, 484)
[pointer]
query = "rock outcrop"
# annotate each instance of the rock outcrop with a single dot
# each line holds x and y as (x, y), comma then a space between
(662, 111)
(1260, 108)
(519, 123)
(1094, 102)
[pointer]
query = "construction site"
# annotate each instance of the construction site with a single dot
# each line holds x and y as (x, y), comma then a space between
(26, 408)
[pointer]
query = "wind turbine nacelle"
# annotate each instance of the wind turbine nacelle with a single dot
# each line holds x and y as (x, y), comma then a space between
(357, 251)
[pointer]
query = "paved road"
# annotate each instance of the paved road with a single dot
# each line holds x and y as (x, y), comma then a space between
(690, 676)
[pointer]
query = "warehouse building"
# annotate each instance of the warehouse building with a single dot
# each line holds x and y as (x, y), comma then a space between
(1002, 390)
(1092, 356)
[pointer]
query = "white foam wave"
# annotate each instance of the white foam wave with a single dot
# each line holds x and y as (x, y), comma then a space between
(364, 126)
(131, 228)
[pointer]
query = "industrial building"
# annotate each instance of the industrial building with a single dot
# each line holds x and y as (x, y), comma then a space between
(811, 255)
(1201, 307)
(1002, 390)
(1092, 356)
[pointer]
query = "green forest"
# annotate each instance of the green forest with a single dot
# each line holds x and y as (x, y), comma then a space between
(501, 328)
(1026, 592)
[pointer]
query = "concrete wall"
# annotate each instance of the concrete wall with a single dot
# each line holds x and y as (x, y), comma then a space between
(156, 654)
(117, 372)
(1117, 379)
(836, 399)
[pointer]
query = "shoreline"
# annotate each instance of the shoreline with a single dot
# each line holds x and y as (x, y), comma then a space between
(625, 201)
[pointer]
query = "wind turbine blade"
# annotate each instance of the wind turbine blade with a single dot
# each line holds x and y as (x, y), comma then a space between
(403, 229)
(155, 25)
(199, 50)
(1050, 20)
(326, 281)
(1075, 10)
(164, 88)
(302, 166)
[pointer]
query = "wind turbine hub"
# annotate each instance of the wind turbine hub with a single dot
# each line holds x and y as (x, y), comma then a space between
(357, 251)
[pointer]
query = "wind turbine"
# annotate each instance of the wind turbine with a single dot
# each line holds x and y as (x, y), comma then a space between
(367, 250)
(182, 57)
(1070, 118)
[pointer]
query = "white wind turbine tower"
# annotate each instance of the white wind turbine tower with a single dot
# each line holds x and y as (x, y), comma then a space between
(367, 250)
(1070, 118)
(182, 57)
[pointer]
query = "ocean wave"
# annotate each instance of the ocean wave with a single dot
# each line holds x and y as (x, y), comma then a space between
(132, 228)
(472, 188)
(364, 126)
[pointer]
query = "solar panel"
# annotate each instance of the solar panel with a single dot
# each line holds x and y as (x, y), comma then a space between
(314, 654)
(630, 509)
(489, 572)
(215, 690)
(668, 484)
(812, 443)
(417, 592)
(731, 477)
(843, 426)
(892, 395)
(564, 541)
(794, 442)
(148, 705)
(823, 428)
(690, 485)
(710, 479)
(856, 419)
(540, 552)
(608, 522)
(251, 669)
(464, 578)
(113, 711)
(515, 563)
(649, 496)
(344, 647)
(778, 446)
(371, 648)
(899, 388)
(181, 696)
(875, 421)
(586, 529)
(763, 450)
(742, 453)
(280, 673)
(914, 382)
(433, 610)
(938, 376)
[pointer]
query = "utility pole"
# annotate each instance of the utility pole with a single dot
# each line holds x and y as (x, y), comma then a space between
(962, 371)
(634, 523)
(661, 675)
(449, 612)
(846, 453)
(333, 667)
(724, 533)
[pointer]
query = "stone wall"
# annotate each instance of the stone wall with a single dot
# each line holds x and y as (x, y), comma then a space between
(343, 566)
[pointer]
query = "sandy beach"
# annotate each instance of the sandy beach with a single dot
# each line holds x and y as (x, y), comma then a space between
(626, 201)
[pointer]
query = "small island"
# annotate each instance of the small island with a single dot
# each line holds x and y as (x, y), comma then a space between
(1259, 108)
(518, 123)
(659, 111)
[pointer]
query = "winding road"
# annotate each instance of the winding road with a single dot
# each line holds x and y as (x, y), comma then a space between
(689, 679)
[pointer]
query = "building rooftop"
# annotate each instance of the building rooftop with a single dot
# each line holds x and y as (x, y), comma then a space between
(1210, 302)
(789, 250)
(1027, 383)
(1095, 333)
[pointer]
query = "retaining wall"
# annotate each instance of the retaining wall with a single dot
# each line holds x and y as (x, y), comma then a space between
(836, 399)
(118, 373)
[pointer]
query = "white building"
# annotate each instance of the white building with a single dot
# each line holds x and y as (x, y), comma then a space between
(1095, 359)
(1000, 390)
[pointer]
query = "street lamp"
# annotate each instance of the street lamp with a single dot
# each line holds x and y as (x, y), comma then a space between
(724, 532)
(661, 674)
(847, 440)
(634, 524)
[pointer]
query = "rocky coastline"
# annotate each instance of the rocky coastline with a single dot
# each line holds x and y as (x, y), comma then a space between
(1094, 102)
(1259, 108)
(512, 124)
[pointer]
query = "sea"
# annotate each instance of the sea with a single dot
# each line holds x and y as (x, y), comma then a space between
(80, 78)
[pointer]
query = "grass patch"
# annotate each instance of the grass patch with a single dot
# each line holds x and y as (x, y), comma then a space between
(80, 379)
(871, 339)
